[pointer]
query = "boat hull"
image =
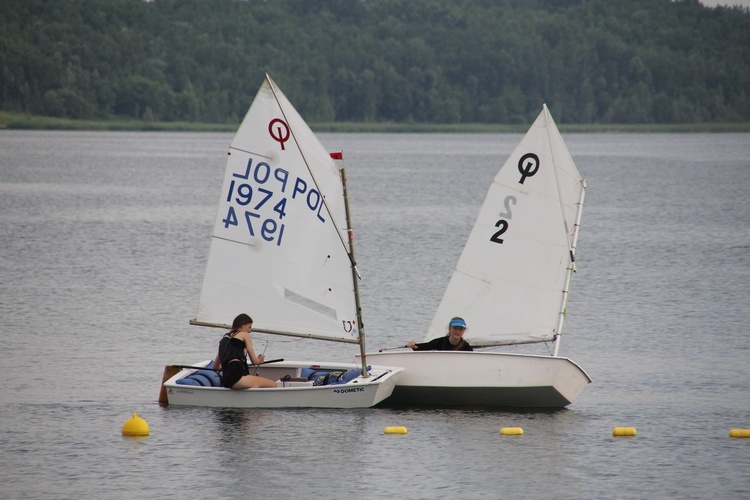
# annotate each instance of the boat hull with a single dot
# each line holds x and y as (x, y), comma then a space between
(357, 393)
(460, 378)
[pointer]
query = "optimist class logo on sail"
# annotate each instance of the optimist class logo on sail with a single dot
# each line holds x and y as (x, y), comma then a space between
(258, 197)
(280, 134)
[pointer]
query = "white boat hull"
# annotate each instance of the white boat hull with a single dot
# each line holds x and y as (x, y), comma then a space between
(460, 378)
(357, 393)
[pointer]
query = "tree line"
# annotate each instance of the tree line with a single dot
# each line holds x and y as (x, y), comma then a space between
(422, 61)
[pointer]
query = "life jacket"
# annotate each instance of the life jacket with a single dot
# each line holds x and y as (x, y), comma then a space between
(231, 348)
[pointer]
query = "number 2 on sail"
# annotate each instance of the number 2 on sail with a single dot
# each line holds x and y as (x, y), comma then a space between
(502, 224)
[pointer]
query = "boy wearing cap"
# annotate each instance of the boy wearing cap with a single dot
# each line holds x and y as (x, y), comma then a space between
(452, 342)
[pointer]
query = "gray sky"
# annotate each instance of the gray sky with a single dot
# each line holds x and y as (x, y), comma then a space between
(713, 3)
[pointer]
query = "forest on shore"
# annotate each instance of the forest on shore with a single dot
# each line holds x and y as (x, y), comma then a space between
(378, 61)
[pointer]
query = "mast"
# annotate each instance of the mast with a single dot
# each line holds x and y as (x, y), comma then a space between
(570, 270)
(355, 273)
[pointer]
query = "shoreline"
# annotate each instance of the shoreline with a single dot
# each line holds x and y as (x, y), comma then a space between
(21, 121)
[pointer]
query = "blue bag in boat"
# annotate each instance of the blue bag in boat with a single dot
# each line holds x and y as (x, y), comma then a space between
(348, 377)
(204, 378)
(330, 377)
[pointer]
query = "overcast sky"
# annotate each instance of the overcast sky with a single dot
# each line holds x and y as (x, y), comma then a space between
(713, 3)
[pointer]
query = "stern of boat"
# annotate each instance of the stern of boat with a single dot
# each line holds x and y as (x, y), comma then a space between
(455, 378)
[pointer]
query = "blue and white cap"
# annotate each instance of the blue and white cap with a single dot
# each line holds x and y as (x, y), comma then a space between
(459, 322)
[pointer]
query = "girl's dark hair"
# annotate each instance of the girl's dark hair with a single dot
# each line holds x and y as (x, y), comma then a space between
(240, 321)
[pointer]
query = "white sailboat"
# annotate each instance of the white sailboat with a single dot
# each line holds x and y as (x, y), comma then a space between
(511, 286)
(280, 252)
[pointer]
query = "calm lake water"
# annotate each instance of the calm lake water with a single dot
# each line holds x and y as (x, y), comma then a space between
(103, 243)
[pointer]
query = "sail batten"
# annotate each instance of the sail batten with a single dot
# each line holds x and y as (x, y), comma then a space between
(254, 153)
(309, 303)
(510, 279)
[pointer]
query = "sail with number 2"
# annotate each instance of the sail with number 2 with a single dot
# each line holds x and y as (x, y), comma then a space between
(510, 283)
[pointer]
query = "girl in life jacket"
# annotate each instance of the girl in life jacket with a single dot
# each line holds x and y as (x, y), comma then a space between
(231, 357)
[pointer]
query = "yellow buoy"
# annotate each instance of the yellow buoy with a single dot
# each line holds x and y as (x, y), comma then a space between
(511, 431)
(135, 426)
(739, 433)
(623, 431)
(395, 430)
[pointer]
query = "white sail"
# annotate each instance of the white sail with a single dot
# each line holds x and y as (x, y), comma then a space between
(509, 281)
(278, 250)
